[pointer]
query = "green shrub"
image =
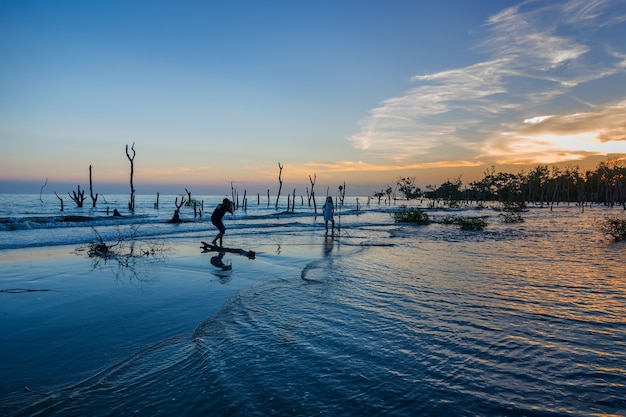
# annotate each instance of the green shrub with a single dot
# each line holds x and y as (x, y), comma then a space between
(472, 223)
(411, 215)
(514, 206)
(510, 217)
(452, 219)
(615, 227)
(466, 223)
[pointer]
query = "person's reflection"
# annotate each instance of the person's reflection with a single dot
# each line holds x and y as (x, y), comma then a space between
(328, 245)
(217, 262)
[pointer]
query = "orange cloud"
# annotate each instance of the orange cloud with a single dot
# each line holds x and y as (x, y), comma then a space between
(556, 138)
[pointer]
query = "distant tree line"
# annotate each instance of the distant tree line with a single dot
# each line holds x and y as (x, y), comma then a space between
(604, 185)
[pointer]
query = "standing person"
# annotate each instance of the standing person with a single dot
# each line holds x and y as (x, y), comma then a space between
(329, 209)
(216, 218)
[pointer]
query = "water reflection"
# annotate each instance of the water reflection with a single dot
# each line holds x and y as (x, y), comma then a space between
(134, 260)
(218, 262)
(328, 245)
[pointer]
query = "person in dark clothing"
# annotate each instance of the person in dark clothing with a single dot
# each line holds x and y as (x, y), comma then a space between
(216, 218)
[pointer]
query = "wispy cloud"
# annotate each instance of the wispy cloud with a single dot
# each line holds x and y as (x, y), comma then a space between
(540, 53)
(360, 166)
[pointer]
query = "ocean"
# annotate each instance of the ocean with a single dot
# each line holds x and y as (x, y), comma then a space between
(381, 318)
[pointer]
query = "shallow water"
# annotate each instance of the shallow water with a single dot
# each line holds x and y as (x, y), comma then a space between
(521, 319)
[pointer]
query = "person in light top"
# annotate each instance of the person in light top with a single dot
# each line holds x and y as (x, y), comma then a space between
(329, 210)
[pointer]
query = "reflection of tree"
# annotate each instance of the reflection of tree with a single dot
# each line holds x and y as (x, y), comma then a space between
(128, 256)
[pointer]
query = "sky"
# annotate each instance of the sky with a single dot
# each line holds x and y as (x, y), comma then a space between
(214, 93)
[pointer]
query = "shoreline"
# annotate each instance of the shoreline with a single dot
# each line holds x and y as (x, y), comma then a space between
(65, 316)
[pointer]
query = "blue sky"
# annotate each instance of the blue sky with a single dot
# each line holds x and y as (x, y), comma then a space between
(214, 92)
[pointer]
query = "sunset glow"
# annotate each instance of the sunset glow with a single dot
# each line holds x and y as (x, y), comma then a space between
(214, 93)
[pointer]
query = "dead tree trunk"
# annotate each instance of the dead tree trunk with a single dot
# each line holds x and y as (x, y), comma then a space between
(131, 202)
(78, 197)
(312, 181)
(176, 216)
(41, 189)
(280, 183)
(93, 198)
(60, 199)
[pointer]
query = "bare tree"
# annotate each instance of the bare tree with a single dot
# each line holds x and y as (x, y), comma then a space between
(131, 203)
(41, 190)
(60, 199)
(78, 197)
(312, 195)
(176, 217)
